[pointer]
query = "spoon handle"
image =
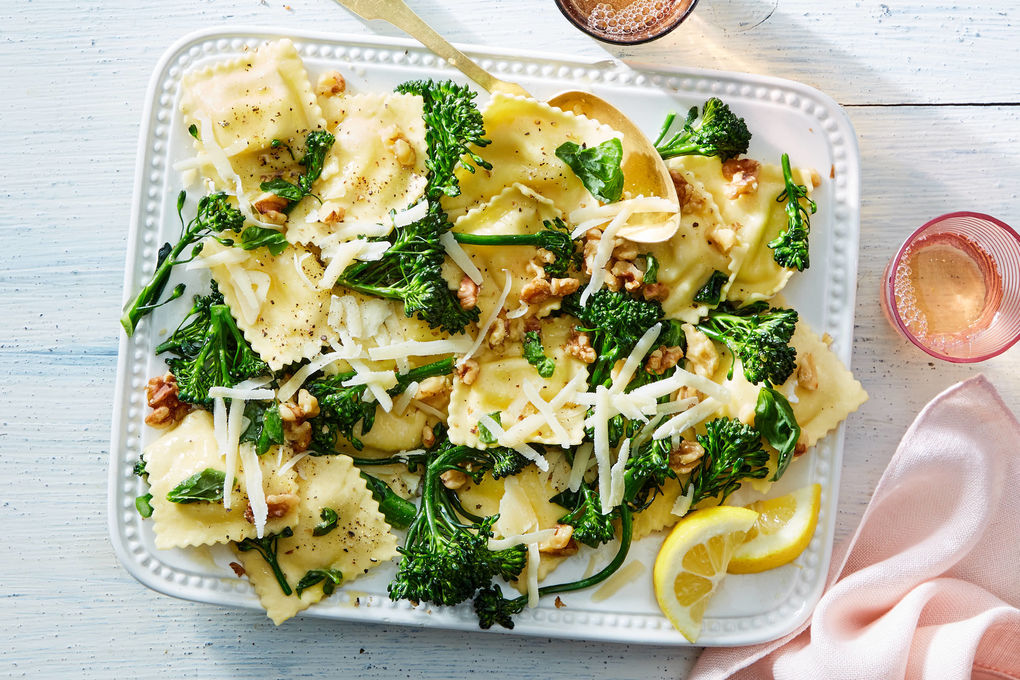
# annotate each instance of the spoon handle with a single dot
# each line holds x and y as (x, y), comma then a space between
(400, 15)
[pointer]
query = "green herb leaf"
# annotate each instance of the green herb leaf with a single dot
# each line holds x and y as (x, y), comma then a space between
(597, 167)
(484, 435)
(774, 418)
(284, 189)
(206, 485)
(535, 354)
(651, 269)
(193, 131)
(329, 578)
(711, 292)
(265, 426)
(258, 237)
(144, 506)
(329, 521)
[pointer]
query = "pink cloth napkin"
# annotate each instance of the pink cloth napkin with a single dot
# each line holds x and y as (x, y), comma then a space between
(928, 586)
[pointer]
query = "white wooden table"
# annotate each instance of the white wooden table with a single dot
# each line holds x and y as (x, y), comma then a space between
(931, 87)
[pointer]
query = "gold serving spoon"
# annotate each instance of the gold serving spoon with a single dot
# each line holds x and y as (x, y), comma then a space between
(644, 171)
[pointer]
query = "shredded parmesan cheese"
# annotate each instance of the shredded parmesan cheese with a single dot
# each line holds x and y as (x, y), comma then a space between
(244, 394)
(233, 438)
(300, 269)
(460, 257)
(401, 403)
(519, 539)
(616, 474)
(253, 484)
(425, 408)
(683, 503)
(531, 454)
(224, 257)
(534, 559)
(686, 420)
(605, 250)
(415, 348)
(582, 457)
(290, 463)
(601, 426)
(489, 320)
(547, 412)
(290, 388)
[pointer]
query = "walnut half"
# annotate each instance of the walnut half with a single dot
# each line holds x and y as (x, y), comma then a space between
(162, 396)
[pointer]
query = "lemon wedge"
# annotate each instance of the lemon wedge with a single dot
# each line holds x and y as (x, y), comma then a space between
(692, 562)
(783, 530)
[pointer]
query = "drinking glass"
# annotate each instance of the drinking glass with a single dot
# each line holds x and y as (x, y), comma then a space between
(626, 22)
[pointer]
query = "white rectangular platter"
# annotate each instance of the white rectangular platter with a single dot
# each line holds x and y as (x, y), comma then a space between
(783, 116)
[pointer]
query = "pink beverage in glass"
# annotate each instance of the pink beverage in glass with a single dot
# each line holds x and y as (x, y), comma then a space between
(953, 289)
(626, 22)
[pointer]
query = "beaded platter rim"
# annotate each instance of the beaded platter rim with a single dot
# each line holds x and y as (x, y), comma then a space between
(373, 52)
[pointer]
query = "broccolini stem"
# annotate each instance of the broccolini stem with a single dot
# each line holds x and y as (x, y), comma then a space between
(147, 297)
(498, 239)
(398, 511)
(626, 532)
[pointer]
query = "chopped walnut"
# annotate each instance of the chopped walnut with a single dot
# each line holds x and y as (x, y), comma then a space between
(807, 374)
(816, 179)
(827, 339)
(701, 353)
(435, 386)
(238, 569)
(331, 84)
(626, 274)
(403, 151)
(558, 541)
(800, 449)
(655, 291)
(626, 251)
(560, 604)
(684, 458)
(569, 549)
(453, 479)
(278, 505)
(545, 256)
(162, 396)
(723, 238)
(561, 287)
(499, 332)
(663, 359)
(467, 294)
(299, 435)
(294, 416)
(467, 372)
(742, 175)
(579, 345)
(685, 193)
(535, 291)
(591, 248)
(270, 203)
(428, 437)
(332, 215)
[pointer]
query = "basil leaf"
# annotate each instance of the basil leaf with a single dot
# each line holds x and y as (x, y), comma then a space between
(329, 521)
(484, 436)
(597, 167)
(284, 189)
(143, 505)
(265, 426)
(259, 237)
(206, 485)
(535, 354)
(774, 418)
(711, 292)
(329, 578)
(651, 269)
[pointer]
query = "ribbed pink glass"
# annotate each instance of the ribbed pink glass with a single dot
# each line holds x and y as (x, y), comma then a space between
(999, 247)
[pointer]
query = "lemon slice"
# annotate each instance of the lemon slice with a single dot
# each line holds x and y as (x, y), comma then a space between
(692, 562)
(784, 528)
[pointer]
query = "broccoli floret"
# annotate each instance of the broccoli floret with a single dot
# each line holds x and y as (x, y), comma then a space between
(720, 133)
(209, 350)
(733, 452)
(790, 248)
(505, 462)
(492, 608)
(758, 336)
(317, 143)
(453, 123)
(646, 472)
(215, 214)
(555, 238)
(411, 271)
(445, 560)
(591, 526)
(342, 408)
(616, 321)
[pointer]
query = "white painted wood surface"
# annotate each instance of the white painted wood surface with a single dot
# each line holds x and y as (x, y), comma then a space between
(931, 88)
